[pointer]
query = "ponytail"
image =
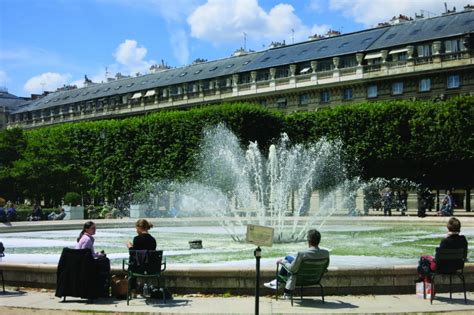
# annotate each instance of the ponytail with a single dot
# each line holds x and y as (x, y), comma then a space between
(86, 226)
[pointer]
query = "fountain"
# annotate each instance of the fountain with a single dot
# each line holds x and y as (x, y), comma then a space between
(240, 186)
(236, 186)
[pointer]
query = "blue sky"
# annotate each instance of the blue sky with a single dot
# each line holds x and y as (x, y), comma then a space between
(45, 44)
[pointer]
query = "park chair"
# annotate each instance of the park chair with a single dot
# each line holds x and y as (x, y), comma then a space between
(78, 275)
(309, 274)
(449, 262)
(148, 264)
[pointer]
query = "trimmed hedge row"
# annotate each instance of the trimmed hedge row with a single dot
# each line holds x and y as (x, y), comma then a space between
(427, 142)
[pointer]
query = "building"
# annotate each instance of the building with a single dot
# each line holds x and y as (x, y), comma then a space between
(9, 103)
(425, 58)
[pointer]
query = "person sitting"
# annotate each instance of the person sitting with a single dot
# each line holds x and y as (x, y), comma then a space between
(143, 241)
(448, 205)
(37, 214)
(3, 215)
(293, 264)
(453, 240)
(11, 212)
(57, 216)
(86, 241)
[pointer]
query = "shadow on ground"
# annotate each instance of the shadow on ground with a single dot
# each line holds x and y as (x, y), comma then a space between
(169, 303)
(317, 303)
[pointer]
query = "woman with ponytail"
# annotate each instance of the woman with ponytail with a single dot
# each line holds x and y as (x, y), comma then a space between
(86, 239)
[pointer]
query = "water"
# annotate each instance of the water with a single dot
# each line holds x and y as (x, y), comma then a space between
(353, 244)
(236, 184)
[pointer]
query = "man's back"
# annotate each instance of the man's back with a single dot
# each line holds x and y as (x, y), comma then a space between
(310, 253)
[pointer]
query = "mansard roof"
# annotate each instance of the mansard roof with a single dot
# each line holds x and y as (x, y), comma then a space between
(423, 30)
(410, 32)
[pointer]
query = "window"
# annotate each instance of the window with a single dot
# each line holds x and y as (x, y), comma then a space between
(281, 102)
(347, 94)
(366, 40)
(213, 68)
(304, 99)
(453, 81)
(452, 46)
(372, 91)
(397, 88)
(424, 50)
(303, 51)
(403, 56)
(343, 45)
(425, 85)
(325, 97)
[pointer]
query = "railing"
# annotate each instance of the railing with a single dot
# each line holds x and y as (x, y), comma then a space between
(347, 71)
(453, 56)
(372, 68)
(397, 64)
(423, 60)
(325, 74)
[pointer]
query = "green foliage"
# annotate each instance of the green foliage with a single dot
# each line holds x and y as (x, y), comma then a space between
(428, 142)
(72, 199)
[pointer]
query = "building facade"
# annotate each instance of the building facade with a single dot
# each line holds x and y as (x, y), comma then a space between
(430, 58)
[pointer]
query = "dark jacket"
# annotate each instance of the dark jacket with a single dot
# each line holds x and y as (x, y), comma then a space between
(77, 274)
(454, 241)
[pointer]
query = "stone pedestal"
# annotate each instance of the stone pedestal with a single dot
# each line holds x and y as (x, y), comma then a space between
(314, 203)
(74, 213)
(138, 211)
(360, 200)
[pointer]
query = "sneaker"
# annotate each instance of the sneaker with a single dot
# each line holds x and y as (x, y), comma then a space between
(286, 296)
(271, 285)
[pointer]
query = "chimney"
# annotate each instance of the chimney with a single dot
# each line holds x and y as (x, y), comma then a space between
(332, 33)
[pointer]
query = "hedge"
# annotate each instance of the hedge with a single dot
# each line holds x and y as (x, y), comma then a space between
(432, 143)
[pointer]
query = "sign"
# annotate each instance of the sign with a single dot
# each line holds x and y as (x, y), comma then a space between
(260, 235)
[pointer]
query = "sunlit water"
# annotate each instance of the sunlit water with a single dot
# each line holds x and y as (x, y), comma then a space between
(350, 245)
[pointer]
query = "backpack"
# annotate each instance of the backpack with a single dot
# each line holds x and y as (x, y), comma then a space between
(426, 266)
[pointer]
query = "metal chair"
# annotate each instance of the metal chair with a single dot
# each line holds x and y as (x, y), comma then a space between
(310, 273)
(449, 262)
(144, 264)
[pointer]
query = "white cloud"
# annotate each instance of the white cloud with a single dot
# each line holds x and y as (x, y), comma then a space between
(3, 78)
(132, 58)
(48, 81)
(174, 14)
(371, 12)
(220, 21)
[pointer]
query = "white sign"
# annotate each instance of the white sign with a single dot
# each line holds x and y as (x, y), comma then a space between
(260, 235)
